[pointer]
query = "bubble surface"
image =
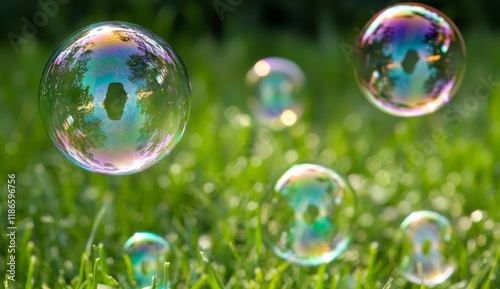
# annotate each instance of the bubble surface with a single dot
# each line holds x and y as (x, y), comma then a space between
(411, 60)
(426, 241)
(148, 253)
(275, 85)
(114, 98)
(307, 216)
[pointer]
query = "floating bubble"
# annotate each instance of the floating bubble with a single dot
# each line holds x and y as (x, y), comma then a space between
(275, 85)
(114, 98)
(148, 253)
(426, 254)
(411, 60)
(308, 215)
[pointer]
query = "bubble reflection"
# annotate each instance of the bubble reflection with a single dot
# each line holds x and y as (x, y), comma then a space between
(426, 240)
(411, 60)
(114, 98)
(307, 217)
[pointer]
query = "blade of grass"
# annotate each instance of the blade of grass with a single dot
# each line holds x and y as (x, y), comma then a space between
(235, 253)
(388, 284)
(486, 284)
(94, 228)
(277, 275)
(29, 277)
(102, 256)
(200, 282)
(372, 253)
(320, 283)
(215, 278)
(153, 282)
(359, 279)
(81, 273)
(335, 282)
(259, 276)
(111, 281)
(25, 240)
(473, 282)
(258, 234)
(94, 273)
(166, 270)
(130, 270)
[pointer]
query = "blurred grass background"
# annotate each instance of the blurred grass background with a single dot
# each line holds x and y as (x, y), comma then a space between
(205, 195)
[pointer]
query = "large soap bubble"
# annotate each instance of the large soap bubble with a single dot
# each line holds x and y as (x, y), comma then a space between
(411, 60)
(114, 98)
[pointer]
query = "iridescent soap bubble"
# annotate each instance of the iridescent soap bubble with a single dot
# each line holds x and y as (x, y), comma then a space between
(275, 85)
(426, 248)
(307, 217)
(114, 98)
(148, 253)
(411, 59)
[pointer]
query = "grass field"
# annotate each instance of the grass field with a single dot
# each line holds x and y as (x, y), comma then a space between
(204, 196)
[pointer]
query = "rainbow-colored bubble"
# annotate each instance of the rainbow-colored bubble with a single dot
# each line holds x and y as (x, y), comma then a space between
(411, 60)
(307, 217)
(148, 253)
(275, 85)
(114, 98)
(426, 257)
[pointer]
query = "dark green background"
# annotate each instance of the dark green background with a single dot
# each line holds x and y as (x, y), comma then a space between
(397, 165)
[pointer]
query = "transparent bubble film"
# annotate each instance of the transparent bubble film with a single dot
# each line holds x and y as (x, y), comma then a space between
(148, 253)
(426, 241)
(114, 98)
(411, 60)
(275, 85)
(307, 216)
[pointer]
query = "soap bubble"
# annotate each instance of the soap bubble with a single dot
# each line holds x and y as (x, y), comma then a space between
(426, 248)
(307, 217)
(275, 85)
(148, 253)
(411, 60)
(114, 98)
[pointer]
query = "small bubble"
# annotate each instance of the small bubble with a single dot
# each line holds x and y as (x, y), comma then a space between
(307, 216)
(275, 84)
(148, 253)
(426, 248)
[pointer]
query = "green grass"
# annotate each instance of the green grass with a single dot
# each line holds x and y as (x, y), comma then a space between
(72, 224)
